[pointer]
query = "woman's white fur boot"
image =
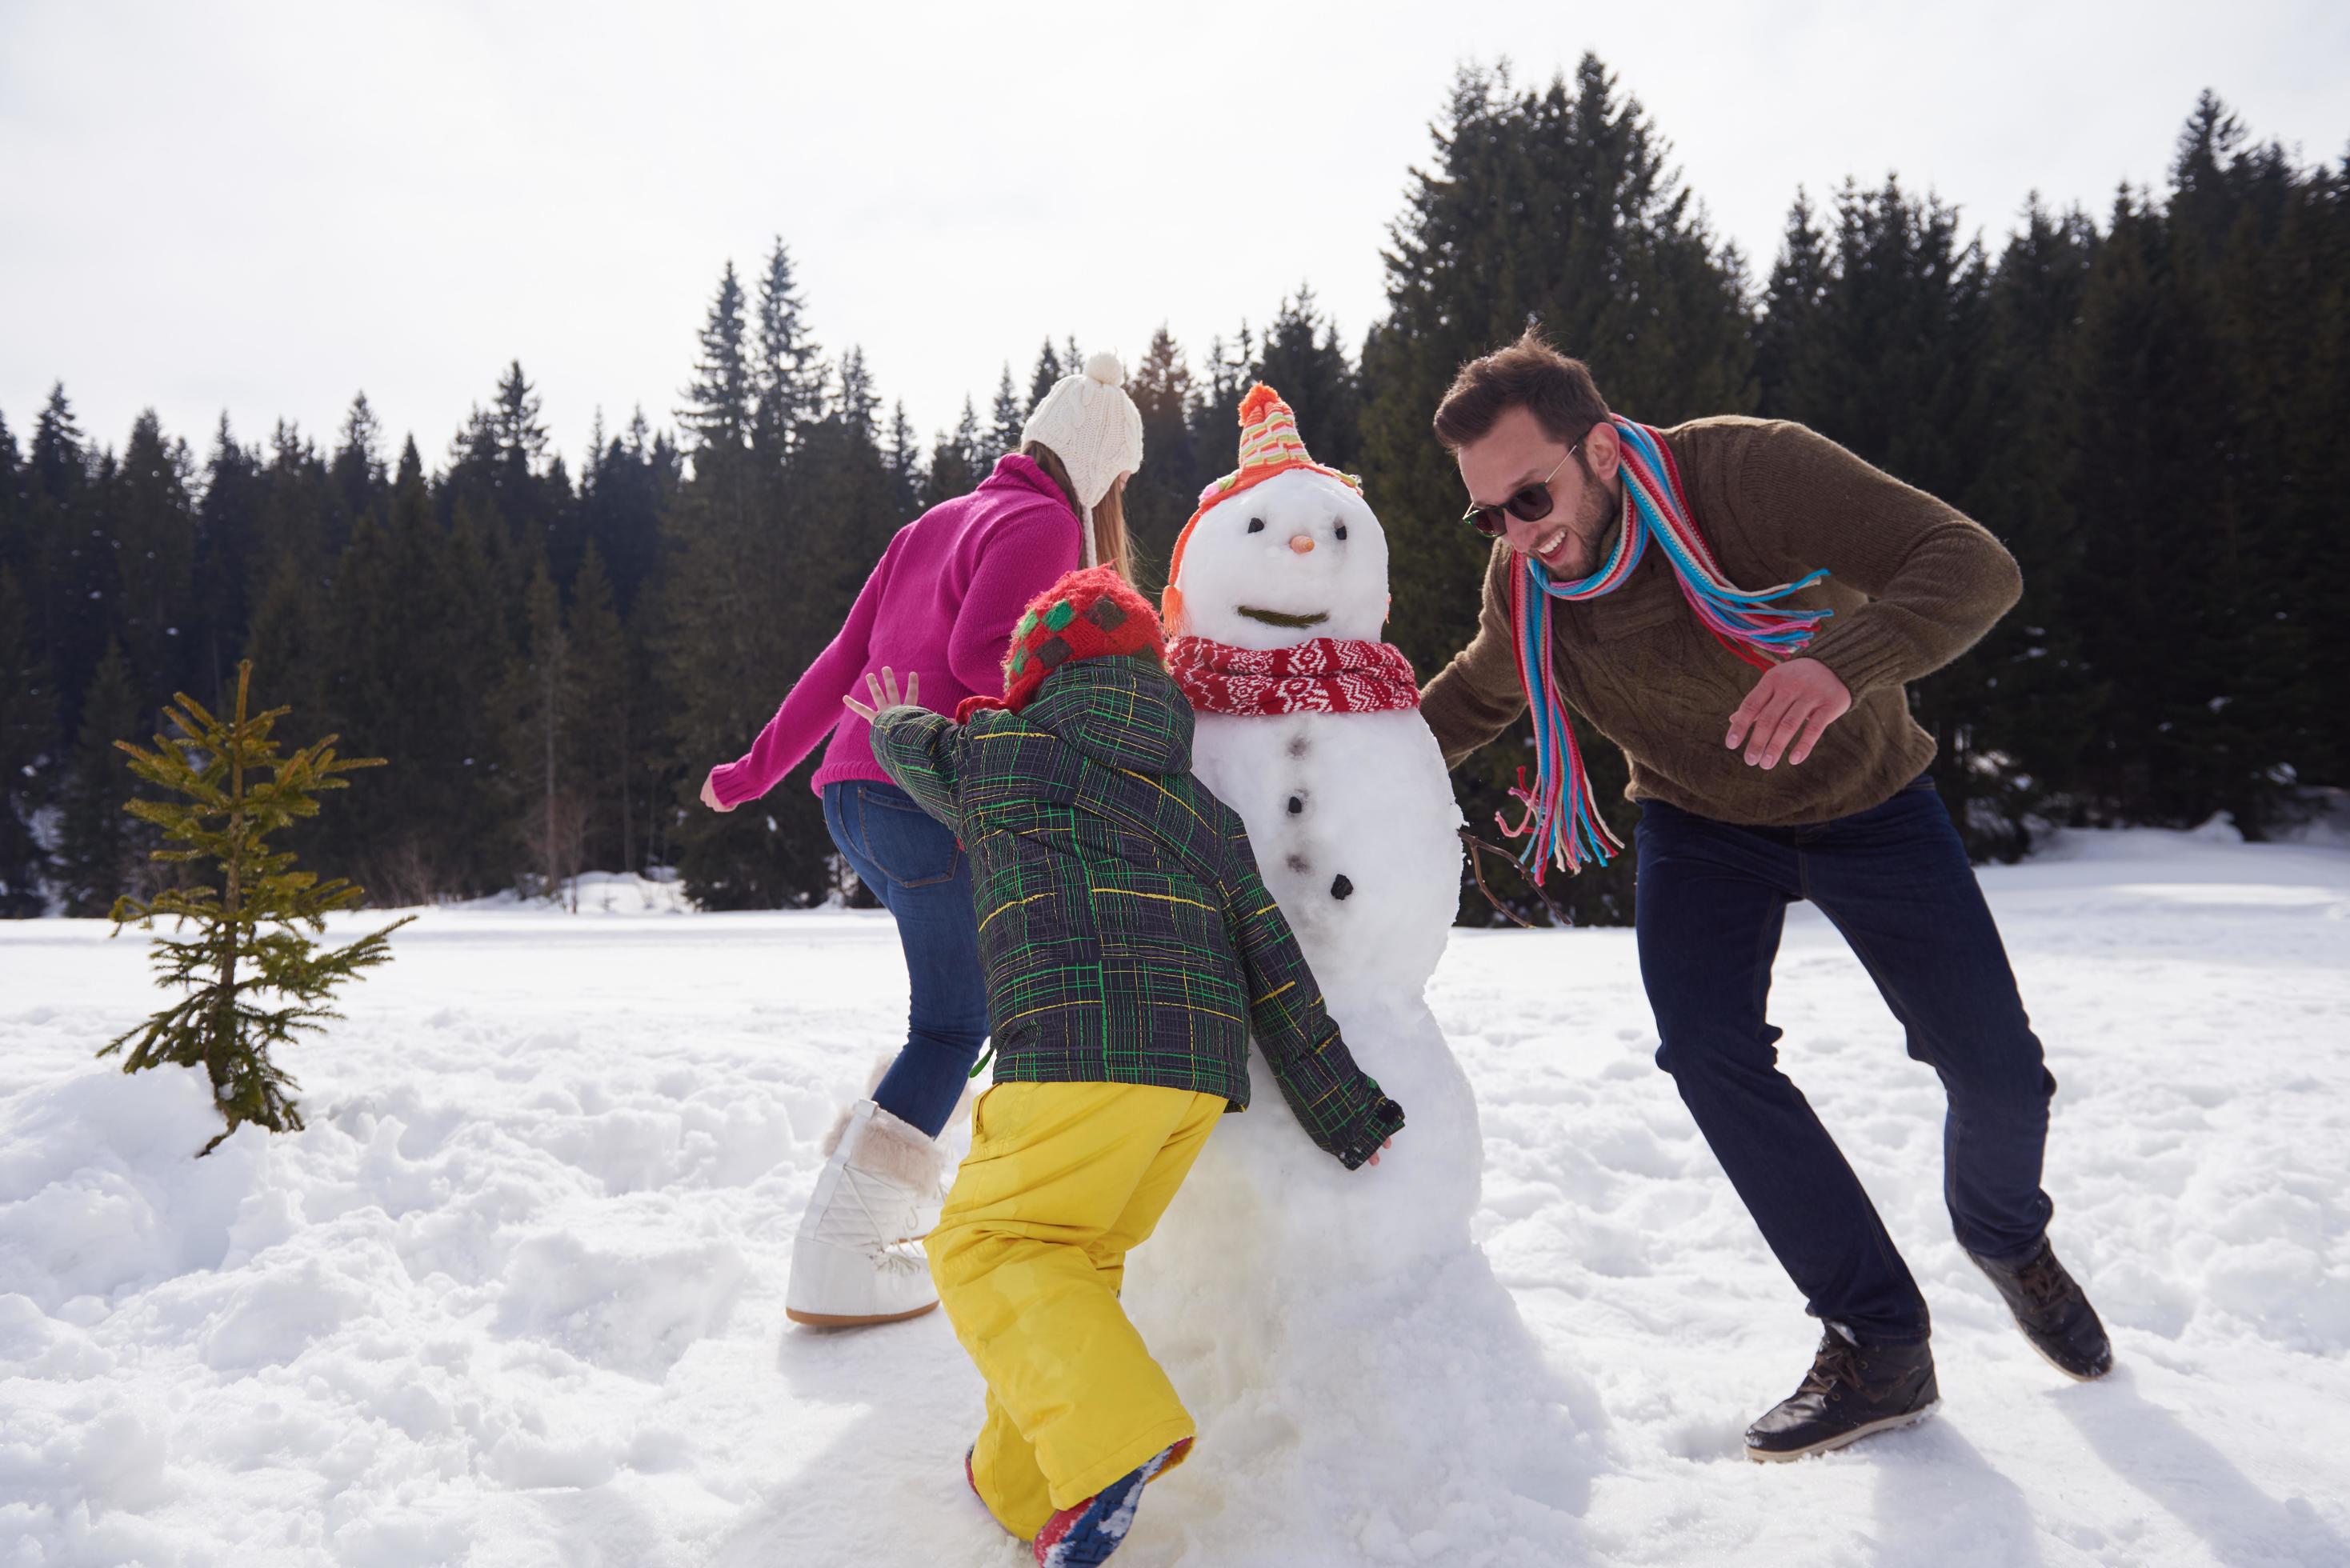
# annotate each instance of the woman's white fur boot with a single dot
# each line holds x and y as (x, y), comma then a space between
(857, 1258)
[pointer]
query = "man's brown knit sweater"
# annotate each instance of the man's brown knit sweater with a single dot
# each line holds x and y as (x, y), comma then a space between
(1913, 584)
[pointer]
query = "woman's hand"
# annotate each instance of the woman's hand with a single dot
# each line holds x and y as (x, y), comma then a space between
(885, 693)
(709, 792)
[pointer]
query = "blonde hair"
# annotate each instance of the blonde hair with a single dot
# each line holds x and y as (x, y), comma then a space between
(1111, 547)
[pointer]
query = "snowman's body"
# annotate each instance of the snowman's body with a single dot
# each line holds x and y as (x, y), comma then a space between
(1356, 833)
(1336, 1334)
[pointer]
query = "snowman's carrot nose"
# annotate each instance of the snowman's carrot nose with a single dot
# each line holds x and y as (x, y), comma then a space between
(1302, 542)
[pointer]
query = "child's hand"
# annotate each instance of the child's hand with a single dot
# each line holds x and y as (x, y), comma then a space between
(1374, 1158)
(709, 792)
(885, 693)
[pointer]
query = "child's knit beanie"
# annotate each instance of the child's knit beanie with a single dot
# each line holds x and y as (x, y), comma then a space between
(1092, 426)
(1091, 613)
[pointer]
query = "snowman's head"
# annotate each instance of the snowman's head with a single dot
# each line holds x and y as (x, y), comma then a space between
(1296, 556)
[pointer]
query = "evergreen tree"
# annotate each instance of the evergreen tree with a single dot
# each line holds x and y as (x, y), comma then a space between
(747, 611)
(2257, 239)
(293, 629)
(1301, 359)
(602, 738)
(2024, 694)
(227, 523)
(2304, 295)
(1904, 320)
(788, 381)
(520, 494)
(721, 402)
(628, 482)
(541, 713)
(358, 465)
(1215, 414)
(2150, 492)
(514, 423)
(475, 647)
(855, 405)
(1556, 207)
(1049, 369)
(1884, 347)
(1006, 417)
(29, 724)
(1790, 343)
(1163, 493)
(94, 846)
(71, 584)
(255, 917)
(151, 522)
(957, 461)
(300, 519)
(718, 417)
(901, 454)
(16, 549)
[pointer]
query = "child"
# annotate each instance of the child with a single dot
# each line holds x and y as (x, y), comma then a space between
(1129, 946)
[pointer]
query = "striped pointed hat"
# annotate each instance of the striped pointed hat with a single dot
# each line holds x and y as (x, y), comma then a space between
(1269, 445)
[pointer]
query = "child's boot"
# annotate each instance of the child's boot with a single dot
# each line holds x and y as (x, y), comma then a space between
(1086, 1533)
(857, 1258)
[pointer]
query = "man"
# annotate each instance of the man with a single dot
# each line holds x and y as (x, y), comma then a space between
(1769, 768)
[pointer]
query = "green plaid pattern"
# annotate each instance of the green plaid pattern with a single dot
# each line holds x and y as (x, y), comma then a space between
(1127, 935)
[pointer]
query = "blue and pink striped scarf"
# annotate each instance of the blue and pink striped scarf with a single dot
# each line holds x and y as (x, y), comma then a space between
(1562, 818)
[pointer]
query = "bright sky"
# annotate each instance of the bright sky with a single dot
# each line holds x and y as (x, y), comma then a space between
(265, 208)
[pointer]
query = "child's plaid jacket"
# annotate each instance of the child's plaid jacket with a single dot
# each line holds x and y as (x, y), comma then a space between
(1127, 935)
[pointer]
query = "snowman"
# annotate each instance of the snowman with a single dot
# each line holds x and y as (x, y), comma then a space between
(1340, 1336)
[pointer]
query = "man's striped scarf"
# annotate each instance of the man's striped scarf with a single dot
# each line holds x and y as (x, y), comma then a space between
(1561, 820)
(1320, 675)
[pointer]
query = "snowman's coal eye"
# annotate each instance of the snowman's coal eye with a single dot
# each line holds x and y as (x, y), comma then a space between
(1342, 530)
(1256, 525)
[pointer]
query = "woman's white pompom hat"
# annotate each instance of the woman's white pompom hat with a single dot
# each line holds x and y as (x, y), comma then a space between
(1091, 425)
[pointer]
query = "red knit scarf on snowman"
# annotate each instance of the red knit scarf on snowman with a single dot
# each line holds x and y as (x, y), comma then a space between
(1322, 675)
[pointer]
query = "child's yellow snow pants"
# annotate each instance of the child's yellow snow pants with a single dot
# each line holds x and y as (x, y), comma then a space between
(1062, 1180)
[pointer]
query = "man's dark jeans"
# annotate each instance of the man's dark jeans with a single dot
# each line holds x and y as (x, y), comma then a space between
(911, 863)
(1711, 901)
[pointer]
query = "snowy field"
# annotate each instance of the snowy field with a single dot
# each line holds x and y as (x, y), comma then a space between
(515, 1297)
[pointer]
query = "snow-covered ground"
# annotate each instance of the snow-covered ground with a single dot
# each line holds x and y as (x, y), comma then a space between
(516, 1296)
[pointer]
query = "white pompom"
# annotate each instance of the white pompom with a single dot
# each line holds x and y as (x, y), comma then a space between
(1104, 368)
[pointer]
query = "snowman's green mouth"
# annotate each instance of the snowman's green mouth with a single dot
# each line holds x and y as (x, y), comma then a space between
(1280, 618)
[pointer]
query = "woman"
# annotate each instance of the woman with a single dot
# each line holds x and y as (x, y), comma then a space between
(938, 610)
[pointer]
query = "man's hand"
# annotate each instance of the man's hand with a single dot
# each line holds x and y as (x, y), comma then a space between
(1788, 708)
(1375, 1156)
(885, 693)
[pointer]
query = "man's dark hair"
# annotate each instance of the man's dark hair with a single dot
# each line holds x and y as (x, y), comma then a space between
(1529, 374)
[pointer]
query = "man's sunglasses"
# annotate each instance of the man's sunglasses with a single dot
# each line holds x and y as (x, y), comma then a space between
(1531, 505)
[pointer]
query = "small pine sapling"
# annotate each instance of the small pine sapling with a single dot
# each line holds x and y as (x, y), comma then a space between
(250, 918)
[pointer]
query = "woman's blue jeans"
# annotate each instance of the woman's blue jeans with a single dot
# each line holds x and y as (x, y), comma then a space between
(1710, 903)
(912, 864)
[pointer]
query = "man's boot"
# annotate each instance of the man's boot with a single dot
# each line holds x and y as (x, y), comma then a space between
(2053, 1313)
(857, 1258)
(1852, 1390)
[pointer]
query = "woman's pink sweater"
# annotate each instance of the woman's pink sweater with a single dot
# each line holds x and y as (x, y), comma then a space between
(941, 605)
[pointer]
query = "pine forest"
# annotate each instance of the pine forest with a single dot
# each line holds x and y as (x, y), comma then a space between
(2144, 399)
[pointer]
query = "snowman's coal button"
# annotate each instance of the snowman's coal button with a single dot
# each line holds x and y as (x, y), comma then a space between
(1297, 864)
(1341, 887)
(1297, 745)
(1296, 805)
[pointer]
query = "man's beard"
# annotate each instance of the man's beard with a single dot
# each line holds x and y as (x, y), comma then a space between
(1598, 517)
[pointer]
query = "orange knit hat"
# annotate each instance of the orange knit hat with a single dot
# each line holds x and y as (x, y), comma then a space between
(1269, 445)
